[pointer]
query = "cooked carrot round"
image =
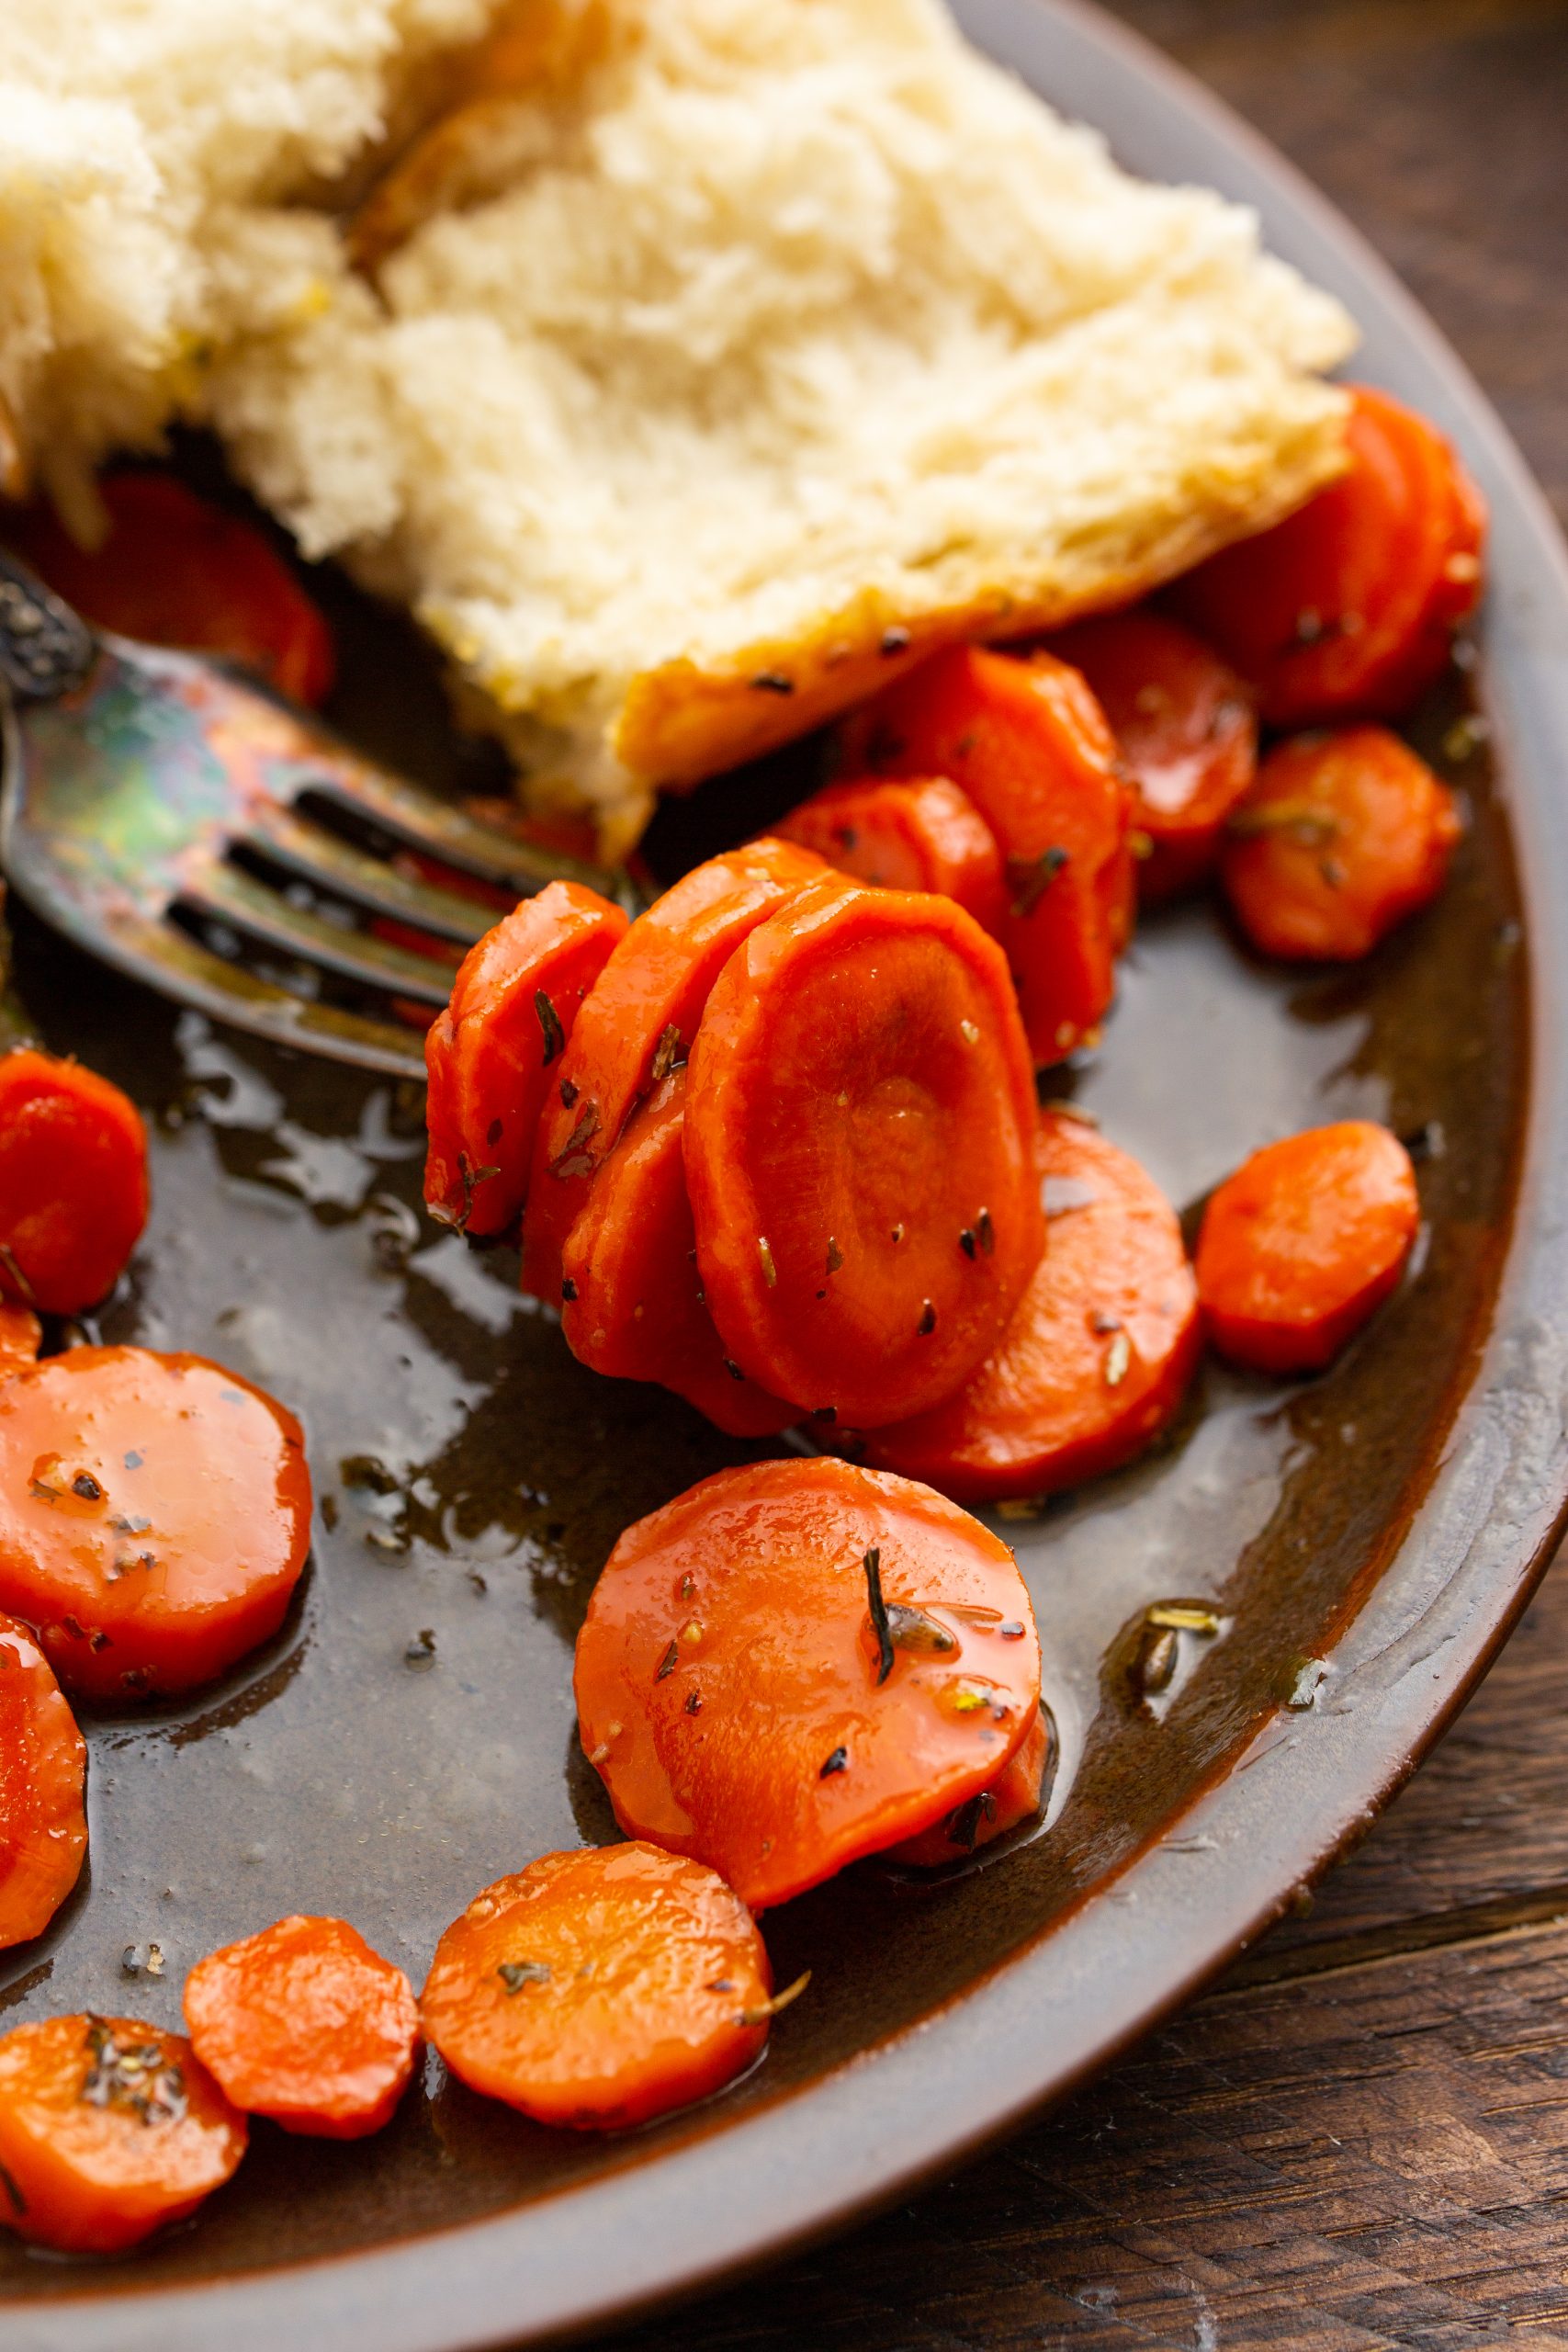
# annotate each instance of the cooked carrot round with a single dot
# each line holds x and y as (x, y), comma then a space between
(1346, 610)
(600, 1988)
(1098, 1354)
(155, 1516)
(632, 1298)
(1186, 731)
(72, 1183)
(1030, 745)
(923, 834)
(496, 1050)
(1013, 1796)
(43, 1765)
(1341, 837)
(799, 1663)
(21, 1336)
(304, 2023)
(107, 2128)
(637, 1025)
(859, 1141)
(176, 569)
(1301, 1245)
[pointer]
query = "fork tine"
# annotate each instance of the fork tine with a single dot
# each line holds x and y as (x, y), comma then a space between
(319, 858)
(424, 824)
(224, 895)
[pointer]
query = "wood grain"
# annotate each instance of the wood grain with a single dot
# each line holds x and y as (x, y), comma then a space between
(1359, 2139)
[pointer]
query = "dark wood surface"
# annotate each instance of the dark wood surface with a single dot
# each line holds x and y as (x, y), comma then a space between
(1359, 2137)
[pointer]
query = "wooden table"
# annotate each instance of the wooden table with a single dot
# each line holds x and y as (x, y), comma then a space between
(1359, 2137)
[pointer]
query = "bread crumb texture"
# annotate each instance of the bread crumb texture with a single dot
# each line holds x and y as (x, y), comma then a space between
(686, 367)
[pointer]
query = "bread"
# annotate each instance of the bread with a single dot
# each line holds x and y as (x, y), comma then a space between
(701, 365)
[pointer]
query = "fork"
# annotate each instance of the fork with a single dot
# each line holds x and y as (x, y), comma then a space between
(168, 815)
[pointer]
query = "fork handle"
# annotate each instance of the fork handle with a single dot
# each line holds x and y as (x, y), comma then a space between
(45, 647)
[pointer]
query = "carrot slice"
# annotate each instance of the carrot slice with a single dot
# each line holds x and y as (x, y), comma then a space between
(799, 1663)
(107, 2128)
(21, 1336)
(72, 1183)
(304, 2023)
(637, 1024)
(43, 1766)
(1030, 745)
(858, 1141)
(176, 569)
(925, 834)
(1097, 1358)
(155, 1516)
(1188, 735)
(1013, 1796)
(1348, 607)
(1340, 838)
(632, 1298)
(491, 1053)
(1301, 1245)
(600, 1988)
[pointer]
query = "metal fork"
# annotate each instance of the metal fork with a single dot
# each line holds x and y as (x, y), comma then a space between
(167, 814)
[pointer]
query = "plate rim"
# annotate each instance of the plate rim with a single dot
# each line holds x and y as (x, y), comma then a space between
(729, 2199)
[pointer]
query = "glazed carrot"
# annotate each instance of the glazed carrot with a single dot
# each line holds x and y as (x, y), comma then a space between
(1031, 747)
(107, 2128)
(1097, 1356)
(799, 1663)
(490, 1055)
(859, 1145)
(155, 1516)
(21, 1336)
(43, 1764)
(176, 569)
(632, 1298)
(1342, 836)
(1346, 610)
(1301, 1245)
(72, 1183)
(920, 834)
(637, 1024)
(1188, 735)
(1013, 1796)
(601, 1987)
(304, 2023)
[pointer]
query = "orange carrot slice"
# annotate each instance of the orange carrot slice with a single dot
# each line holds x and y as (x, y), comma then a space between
(21, 1336)
(72, 1183)
(799, 1663)
(43, 1766)
(925, 834)
(304, 2023)
(1014, 1796)
(1303, 1242)
(155, 1516)
(600, 1988)
(1097, 1356)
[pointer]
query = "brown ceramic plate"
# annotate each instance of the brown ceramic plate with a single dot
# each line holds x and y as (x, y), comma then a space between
(409, 1735)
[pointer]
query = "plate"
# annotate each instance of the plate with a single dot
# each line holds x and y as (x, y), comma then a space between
(1367, 1539)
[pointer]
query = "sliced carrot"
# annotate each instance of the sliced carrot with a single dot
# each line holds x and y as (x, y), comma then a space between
(43, 1765)
(601, 1988)
(859, 1146)
(1097, 1356)
(1188, 735)
(72, 1183)
(632, 1298)
(107, 2129)
(304, 2023)
(920, 834)
(1013, 1796)
(21, 1336)
(176, 569)
(1346, 610)
(1030, 745)
(637, 1024)
(155, 1516)
(799, 1663)
(1342, 836)
(491, 1053)
(1301, 1245)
